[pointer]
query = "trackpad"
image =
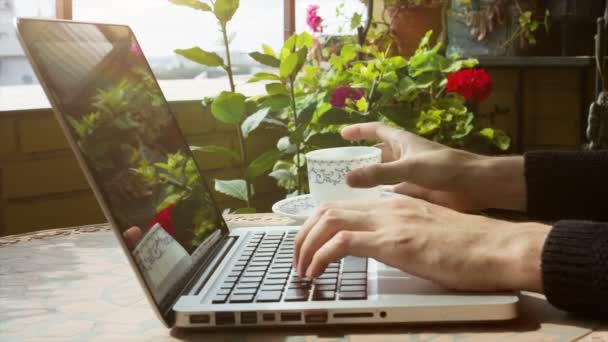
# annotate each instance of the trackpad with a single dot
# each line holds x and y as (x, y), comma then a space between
(391, 280)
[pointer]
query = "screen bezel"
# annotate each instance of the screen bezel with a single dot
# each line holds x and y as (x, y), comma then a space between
(167, 315)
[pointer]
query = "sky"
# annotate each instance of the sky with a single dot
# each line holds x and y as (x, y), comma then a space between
(162, 27)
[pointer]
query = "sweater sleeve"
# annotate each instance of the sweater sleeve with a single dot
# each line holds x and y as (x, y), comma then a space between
(567, 185)
(575, 267)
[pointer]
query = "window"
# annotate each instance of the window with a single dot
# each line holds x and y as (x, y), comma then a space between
(14, 67)
(333, 24)
(162, 27)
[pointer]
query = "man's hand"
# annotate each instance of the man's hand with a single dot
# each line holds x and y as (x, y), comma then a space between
(428, 170)
(458, 251)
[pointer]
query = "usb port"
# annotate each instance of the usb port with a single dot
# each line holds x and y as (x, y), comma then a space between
(320, 317)
(268, 317)
(224, 318)
(200, 319)
(250, 317)
(291, 316)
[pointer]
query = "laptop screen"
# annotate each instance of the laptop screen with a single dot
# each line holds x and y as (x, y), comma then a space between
(139, 161)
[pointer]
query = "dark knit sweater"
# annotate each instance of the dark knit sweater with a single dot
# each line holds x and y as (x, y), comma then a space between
(570, 189)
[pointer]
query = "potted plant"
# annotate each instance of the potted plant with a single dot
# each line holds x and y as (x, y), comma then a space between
(494, 27)
(411, 19)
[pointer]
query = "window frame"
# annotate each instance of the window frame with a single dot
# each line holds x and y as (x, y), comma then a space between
(64, 10)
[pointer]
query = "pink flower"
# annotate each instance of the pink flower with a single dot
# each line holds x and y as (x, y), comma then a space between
(136, 49)
(313, 19)
(341, 94)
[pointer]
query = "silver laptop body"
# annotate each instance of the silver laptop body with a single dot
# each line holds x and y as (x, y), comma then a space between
(194, 270)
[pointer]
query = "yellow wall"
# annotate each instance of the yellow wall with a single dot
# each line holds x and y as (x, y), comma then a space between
(42, 186)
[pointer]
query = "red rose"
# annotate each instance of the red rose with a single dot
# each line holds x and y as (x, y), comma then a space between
(472, 84)
(163, 218)
(338, 98)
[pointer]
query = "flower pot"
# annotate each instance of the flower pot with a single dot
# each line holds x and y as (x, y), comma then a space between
(410, 23)
(462, 42)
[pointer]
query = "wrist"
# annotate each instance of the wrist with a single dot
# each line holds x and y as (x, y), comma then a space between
(499, 182)
(521, 255)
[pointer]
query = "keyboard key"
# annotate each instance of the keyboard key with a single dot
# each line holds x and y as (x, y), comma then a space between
(268, 296)
(296, 278)
(240, 263)
(353, 295)
(264, 254)
(325, 281)
(242, 298)
(275, 281)
(283, 276)
(219, 299)
(251, 279)
(353, 281)
(358, 275)
(352, 288)
(235, 274)
(253, 274)
(328, 276)
(239, 291)
(331, 287)
(227, 285)
(256, 269)
(323, 295)
(223, 291)
(260, 263)
(248, 285)
(264, 258)
(296, 295)
(281, 270)
(272, 287)
(238, 268)
(232, 278)
(299, 286)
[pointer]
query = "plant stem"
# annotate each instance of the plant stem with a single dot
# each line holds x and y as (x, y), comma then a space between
(296, 124)
(243, 147)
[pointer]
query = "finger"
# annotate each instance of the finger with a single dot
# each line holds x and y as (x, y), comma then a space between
(330, 223)
(132, 237)
(381, 174)
(312, 220)
(370, 131)
(344, 243)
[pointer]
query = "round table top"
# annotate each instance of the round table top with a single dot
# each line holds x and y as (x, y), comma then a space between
(75, 284)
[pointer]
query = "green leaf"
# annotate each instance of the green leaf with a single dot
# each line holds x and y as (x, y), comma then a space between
(305, 114)
(338, 116)
(499, 138)
(277, 102)
(285, 146)
(289, 46)
(236, 188)
(229, 107)
(288, 66)
(276, 88)
(282, 175)
(348, 53)
(253, 121)
(245, 211)
(201, 56)
(225, 9)
(264, 76)
(355, 21)
(268, 50)
(197, 5)
(304, 40)
(217, 149)
(265, 59)
(262, 164)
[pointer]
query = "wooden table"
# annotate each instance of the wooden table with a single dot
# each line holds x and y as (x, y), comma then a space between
(74, 284)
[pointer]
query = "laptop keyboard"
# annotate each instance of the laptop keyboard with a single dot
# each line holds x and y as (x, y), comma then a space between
(264, 274)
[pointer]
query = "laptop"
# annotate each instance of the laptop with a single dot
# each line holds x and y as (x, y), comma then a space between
(195, 271)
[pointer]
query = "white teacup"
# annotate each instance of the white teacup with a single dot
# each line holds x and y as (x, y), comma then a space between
(327, 170)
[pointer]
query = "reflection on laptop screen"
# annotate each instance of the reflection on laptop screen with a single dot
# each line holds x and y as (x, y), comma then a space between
(104, 89)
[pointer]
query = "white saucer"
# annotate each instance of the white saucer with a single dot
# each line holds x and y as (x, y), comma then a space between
(299, 208)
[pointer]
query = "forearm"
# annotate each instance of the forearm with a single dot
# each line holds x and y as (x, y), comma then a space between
(499, 182)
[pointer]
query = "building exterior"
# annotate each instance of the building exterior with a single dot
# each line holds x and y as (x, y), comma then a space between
(14, 66)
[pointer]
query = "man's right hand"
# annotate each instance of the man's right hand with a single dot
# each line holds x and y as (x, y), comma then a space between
(436, 173)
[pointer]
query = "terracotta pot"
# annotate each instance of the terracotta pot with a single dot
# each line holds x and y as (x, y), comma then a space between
(409, 25)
